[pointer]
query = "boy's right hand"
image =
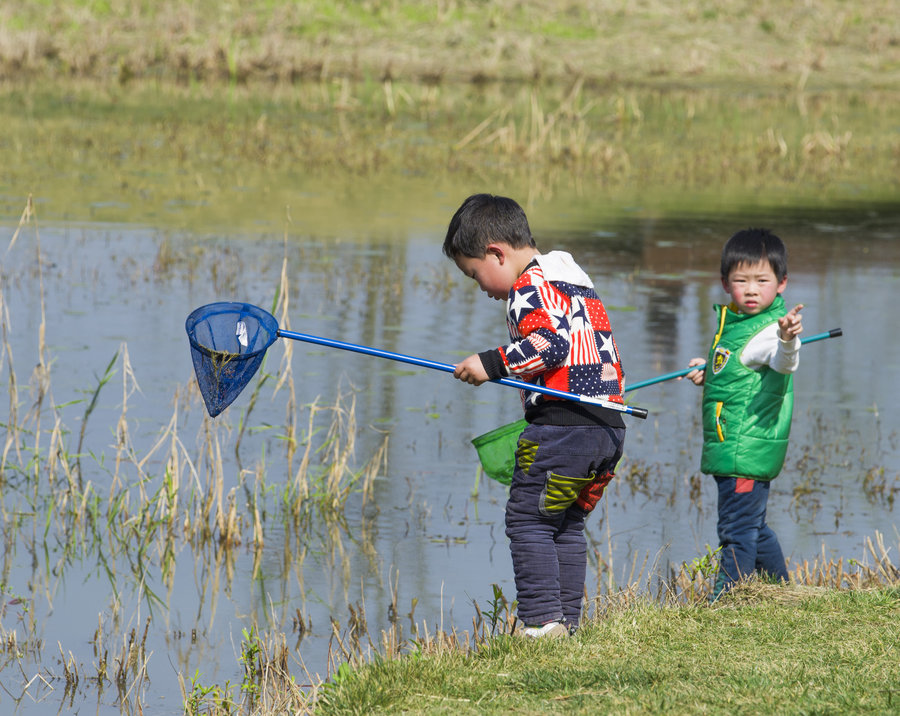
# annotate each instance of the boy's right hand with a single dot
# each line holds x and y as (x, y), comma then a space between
(696, 376)
(791, 325)
(471, 370)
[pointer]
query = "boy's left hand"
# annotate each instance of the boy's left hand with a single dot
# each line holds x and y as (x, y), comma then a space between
(790, 325)
(471, 370)
(697, 377)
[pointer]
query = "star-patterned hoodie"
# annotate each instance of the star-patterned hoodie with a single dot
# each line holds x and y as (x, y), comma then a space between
(561, 339)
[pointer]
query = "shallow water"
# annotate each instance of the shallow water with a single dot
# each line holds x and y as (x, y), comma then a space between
(425, 535)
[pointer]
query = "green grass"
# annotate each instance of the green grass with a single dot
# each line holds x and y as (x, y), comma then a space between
(778, 650)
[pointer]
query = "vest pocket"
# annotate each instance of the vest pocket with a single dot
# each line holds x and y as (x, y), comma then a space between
(721, 422)
(560, 492)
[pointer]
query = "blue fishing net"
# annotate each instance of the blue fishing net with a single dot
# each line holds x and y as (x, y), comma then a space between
(228, 343)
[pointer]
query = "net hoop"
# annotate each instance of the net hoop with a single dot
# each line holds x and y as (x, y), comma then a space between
(228, 343)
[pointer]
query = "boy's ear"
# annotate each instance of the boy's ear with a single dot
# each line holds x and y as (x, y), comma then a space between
(782, 284)
(496, 250)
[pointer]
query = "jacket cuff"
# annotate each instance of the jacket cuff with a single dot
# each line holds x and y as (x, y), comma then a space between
(493, 364)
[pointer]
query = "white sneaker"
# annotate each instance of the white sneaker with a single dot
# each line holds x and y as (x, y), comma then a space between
(554, 630)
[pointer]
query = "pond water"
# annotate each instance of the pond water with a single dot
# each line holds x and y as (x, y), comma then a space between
(428, 542)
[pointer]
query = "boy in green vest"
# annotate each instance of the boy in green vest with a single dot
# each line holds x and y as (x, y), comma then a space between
(747, 402)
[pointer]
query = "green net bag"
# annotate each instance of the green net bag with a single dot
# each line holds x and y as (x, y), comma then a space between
(497, 451)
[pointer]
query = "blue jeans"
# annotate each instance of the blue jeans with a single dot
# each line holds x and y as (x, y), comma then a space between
(748, 543)
(560, 475)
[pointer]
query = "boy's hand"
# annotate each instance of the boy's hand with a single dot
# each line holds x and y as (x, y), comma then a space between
(471, 370)
(696, 376)
(790, 325)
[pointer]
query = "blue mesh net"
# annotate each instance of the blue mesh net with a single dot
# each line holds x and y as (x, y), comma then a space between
(228, 343)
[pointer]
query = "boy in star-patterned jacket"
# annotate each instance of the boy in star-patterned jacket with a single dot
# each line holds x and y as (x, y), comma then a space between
(560, 338)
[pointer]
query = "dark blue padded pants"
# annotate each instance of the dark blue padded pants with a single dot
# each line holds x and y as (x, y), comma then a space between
(560, 475)
(748, 543)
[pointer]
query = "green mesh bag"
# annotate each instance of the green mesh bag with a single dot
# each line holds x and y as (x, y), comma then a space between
(497, 451)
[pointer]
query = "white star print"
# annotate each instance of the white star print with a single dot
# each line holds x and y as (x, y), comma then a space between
(520, 304)
(608, 346)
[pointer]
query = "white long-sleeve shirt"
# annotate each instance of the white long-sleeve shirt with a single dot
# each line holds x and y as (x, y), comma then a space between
(767, 349)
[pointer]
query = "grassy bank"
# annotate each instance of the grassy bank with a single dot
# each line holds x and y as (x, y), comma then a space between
(342, 115)
(786, 650)
(819, 45)
(342, 158)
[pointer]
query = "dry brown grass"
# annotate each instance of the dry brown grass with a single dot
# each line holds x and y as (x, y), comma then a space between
(794, 44)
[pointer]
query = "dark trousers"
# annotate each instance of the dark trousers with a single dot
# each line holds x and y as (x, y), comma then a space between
(560, 475)
(748, 543)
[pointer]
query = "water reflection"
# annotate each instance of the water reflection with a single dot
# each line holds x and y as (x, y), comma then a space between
(430, 540)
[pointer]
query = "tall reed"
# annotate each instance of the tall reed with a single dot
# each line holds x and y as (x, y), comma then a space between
(132, 514)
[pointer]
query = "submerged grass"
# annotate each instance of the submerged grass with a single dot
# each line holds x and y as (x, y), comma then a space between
(155, 503)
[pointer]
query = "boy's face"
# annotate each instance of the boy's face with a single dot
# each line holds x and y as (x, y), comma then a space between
(494, 273)
(753, 287)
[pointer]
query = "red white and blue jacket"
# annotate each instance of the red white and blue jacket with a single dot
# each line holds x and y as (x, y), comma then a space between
(562, 339)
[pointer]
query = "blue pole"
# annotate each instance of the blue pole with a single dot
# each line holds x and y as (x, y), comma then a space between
(447, 368)
(833, 333)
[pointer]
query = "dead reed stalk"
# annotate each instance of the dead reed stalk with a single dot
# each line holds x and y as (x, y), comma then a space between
(12, 424)
(301, 481)
(286, 374)
(40, 375)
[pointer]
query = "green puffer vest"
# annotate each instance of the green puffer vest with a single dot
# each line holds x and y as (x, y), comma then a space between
(746, 413)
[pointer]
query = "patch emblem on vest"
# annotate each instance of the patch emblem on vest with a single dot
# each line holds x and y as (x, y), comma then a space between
(720, 358)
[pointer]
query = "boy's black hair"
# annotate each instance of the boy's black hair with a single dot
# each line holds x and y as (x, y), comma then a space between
(752, 245)
(485, 218)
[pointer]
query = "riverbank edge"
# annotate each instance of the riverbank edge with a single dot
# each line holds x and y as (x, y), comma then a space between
(764, 649)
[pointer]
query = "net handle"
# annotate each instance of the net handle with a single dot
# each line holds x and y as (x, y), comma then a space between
(447, 368)
(833, 333)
